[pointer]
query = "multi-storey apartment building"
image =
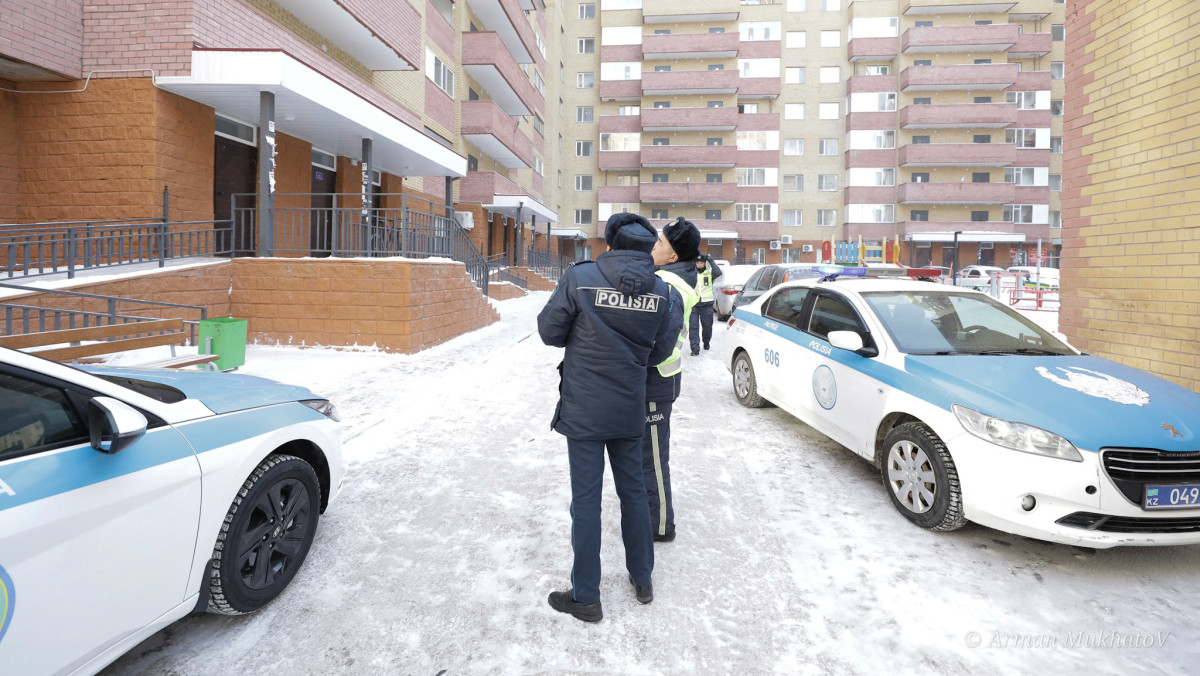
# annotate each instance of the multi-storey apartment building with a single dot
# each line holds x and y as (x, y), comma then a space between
(778, 125)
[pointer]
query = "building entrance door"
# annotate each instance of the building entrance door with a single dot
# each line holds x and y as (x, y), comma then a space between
(320, 232)
(235, 166)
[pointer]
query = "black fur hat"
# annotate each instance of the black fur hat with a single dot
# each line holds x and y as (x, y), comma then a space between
(684, 239)
(631, 232)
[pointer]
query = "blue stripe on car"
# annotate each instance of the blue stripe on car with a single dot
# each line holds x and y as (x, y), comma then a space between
(44, 475)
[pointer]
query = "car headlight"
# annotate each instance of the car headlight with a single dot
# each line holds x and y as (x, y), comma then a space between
(1017, 436)
(324, 407)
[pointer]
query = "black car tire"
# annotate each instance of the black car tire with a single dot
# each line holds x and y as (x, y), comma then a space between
(747, 391)
(265, 536)
(912, 455)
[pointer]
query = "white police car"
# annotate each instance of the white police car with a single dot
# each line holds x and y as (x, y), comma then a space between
(972, 412)
(132, 497)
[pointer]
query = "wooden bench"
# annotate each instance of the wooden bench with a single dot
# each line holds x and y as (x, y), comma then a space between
(128, 336)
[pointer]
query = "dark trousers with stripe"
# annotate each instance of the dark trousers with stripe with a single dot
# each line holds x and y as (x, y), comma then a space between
(702, 316)
(656, 469)
(587, 481)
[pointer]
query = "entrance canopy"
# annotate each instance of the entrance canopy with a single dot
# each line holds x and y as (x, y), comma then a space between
(521, 208)
(568, 233)
(966, 237)
(310, 106)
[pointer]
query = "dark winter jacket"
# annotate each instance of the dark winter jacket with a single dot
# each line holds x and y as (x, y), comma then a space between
(613, 316)
(711, 265)
(659, 388)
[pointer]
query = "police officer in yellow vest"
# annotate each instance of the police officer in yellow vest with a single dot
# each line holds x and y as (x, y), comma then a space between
(677, 246)
(707, 272)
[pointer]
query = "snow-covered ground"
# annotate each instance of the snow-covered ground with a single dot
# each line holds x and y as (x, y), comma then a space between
(452, 527)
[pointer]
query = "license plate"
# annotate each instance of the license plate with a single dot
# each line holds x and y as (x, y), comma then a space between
(1171, 496)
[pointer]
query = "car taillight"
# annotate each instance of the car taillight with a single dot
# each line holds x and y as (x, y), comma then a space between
(731, 291)
(731, 321)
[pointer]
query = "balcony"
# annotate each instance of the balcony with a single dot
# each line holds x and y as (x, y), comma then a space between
(870, 84)
(618, 194)
(758, 121)
(870, 158)
(689, 119)
(870, 121)
(682, 193)
(759, 88)
(620, 90)
(922, 7)
(943, 39)
(507, 19)
(1031, 232)
(689, 156)
(1024, 119)
(965, 77)
(753, 194)
(393, 41)
(1031, 45)
(1032, 157)
(958, 115)
(481, 187)
(674, 11)
(681, 82)
(690, 46)
(491, 65)
(955, 193)
(860, 194)
(487, 126)
(958, 155)
(619, 53)
(871, 49)
(620, 124)
(620, 159)
(757, 158)
(1032, 80)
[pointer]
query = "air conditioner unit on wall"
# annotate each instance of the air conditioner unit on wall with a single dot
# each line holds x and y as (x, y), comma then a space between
(785, 239)
(807, 248)
(775, 245)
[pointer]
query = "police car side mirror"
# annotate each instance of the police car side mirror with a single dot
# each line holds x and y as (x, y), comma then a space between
(850, 340)
(113, 425)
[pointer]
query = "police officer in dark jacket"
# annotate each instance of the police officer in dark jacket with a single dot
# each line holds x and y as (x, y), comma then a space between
(677, 248)
(707, 272)
(613, 317)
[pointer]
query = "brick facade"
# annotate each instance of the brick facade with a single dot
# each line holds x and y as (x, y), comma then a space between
(45, 33)
(1131, 251)
(9, 183)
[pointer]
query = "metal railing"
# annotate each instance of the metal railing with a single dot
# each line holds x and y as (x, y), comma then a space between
(549, 265)
(417, 228)
(28, 250)
(21, 318)
(498, 271)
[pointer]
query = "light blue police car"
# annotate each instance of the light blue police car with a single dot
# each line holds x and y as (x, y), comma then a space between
(973, 413)
(132, 497)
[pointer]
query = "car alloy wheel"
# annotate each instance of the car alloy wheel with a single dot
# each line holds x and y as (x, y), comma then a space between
(745, 386)
(266, 535)
(921, 479)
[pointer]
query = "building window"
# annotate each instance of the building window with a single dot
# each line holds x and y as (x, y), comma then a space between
(753, 177)
(1056, 182)
(793, 217)
(587, 45)
(828, 111)
(793, 111)
(982, 99)
(754, 213)
(662, 31)
(583, 149)
(439, 72)
(758, 140)
(831, 74)
(922, 101)
(538, 167)
(1057, 70)
(714, 178)
(662, 104)
(716, 29)
(1024, 100)
(1057, 32)
(982, 138)
(1056, 145)
(662, 69)
(629, 110)
(583, 217)
(758, 31)
(919, 177)
(827, 182)
(1018, 213)
(472, 95)
(714, 141)
(658, 213)
(1056, 219)
(871, 213)
(918, 215)
(923, 24)
(877, 70)
(748, 108)
(583, 182)
(793, 183)
(659, 178)
(1023, 138)
(587, 10)
(539, 126)
(472, 163)
(716, 104)
(584, 113)
(982, 62)
(981, 177)
(922, 62)
(980, 217)
(831, 38)
(920, 140)
(712, 214)
(795, 39)
(621, 141)
(827, 146)
(627, 179)
(661, 141)
(1056, 107)
(585, 80)
(793, 75)
(826, 218)
(797, 5)
(716, 66)
(793, 146)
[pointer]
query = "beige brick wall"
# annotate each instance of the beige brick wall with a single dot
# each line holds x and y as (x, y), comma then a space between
(1131, 255)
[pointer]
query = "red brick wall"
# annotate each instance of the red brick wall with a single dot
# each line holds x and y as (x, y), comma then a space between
(9, 185)
(138, 34)
(438, 30)
(402, 306)
(46, 33)
(184, 152)
(440, 109)
(396, 23)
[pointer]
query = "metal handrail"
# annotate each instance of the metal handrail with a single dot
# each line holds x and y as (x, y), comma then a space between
(498, 271)
(548, 264)
(26, 312)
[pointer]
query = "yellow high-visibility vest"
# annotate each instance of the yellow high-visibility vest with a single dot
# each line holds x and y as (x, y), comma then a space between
(704, 284)
(674, 364)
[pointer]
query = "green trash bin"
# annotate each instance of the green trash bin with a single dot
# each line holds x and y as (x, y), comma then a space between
(228, 340)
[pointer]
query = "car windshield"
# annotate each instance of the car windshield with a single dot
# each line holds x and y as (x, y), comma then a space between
(940, 322)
